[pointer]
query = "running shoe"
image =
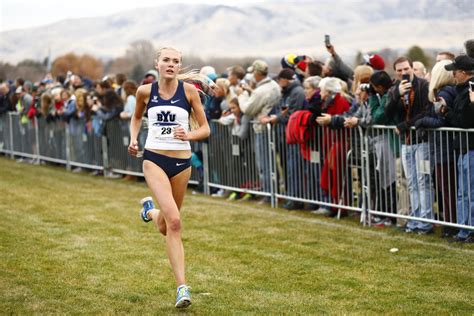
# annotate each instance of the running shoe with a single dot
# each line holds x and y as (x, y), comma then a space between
(183, 298)
(147, 206)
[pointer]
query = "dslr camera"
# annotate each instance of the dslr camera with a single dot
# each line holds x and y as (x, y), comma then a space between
(367, 87)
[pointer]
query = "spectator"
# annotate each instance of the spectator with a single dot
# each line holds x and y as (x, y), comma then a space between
(384, 186)
(5, 105)
(150, 76)
(462, 115)
(58, 104)
(235, 75)
(312, 165)
(209, 72)
(23, 104)
(315, 68)
(264, 98)
(408, 101)
(129, 90)
(239, 134)
(419, 69)
(108, 110)
(444, 55)
(47, 107)
(120, 80)
(334, 143)
(77, 83)
(292, 100)
(223, 95)
(442, 86)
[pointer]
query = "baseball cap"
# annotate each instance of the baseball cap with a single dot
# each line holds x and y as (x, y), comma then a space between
(461, 62)
(258, 65)
(375, 61)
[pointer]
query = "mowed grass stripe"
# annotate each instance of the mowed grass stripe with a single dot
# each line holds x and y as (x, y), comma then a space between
(72, 243)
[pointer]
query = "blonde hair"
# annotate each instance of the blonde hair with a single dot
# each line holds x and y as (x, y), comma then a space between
(224, 84)
(46, 103)
(80, 99)
(192, 77)
(440, 77)
(160, 50)
(362, 74)
(345, 90)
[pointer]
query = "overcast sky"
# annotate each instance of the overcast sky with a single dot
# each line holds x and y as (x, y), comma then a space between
(16, 14)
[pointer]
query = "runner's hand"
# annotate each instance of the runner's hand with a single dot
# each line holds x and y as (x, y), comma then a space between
(133, 148)
(180, 133)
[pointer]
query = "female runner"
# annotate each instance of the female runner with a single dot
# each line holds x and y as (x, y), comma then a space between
(172, 105)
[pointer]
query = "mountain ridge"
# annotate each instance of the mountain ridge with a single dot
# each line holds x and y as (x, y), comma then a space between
(267, 29)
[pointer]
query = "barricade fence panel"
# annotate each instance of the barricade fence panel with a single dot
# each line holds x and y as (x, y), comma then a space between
(24, 136)
(5, 134)
(424, 176)
(234, 162)
(420, 176)
(52, 140)
(323, 171)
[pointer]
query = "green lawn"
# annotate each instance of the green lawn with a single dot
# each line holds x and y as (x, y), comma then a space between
(74, 244)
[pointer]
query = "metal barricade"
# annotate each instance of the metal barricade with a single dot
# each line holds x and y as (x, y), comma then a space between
(326, 171)
(5, 134)
(426, 177)
(52, 141)
(84, 146)
(118, 138)
(236, 164)
(422, 176)
(24, 136)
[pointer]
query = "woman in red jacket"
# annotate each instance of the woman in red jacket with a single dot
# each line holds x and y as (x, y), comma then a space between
(335, 142)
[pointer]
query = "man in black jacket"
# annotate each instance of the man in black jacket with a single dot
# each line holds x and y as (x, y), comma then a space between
(407, 102)
(462, 115)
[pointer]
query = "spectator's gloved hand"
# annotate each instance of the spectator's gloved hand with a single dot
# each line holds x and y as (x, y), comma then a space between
(419, 124)
(402, 127)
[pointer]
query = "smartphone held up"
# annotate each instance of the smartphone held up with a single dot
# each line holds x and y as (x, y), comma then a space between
(327, 41)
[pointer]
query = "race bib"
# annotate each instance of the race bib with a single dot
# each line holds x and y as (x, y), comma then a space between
(163, 133)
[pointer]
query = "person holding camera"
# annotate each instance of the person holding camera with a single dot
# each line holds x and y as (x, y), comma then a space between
(383, 158)
(442, 92)
(407, 102)
(462, 115)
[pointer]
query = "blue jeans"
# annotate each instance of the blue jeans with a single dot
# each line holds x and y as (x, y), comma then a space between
(465, 200)
(262, 160)
(417, 166)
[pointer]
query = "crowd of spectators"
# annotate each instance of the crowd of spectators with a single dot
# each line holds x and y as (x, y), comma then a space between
(329, 95)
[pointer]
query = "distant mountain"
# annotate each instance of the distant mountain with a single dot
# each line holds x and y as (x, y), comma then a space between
(266, 30)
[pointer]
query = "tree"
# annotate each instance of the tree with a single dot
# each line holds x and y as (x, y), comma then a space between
(416, 53)
(137, 73)
(141, 52)
(84, 65)
(90, 67)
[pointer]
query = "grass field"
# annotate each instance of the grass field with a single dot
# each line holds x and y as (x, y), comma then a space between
(74, 244)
